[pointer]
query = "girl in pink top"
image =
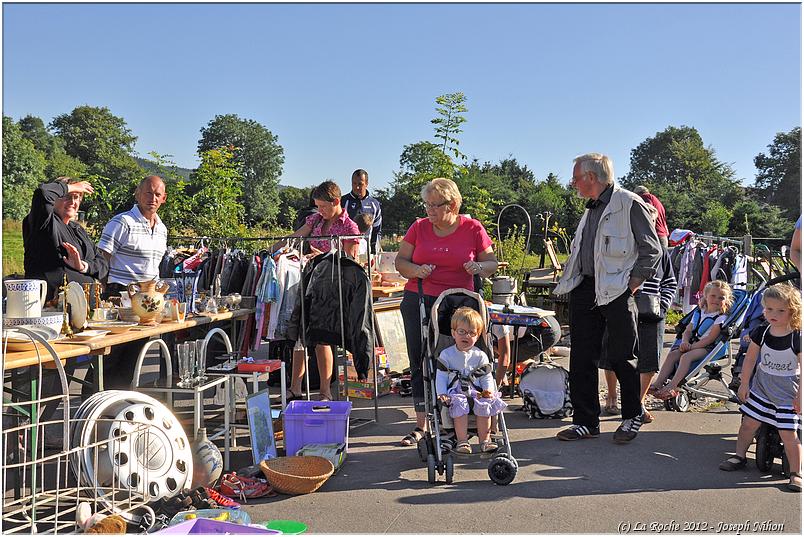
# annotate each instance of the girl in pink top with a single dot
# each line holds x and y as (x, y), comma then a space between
(444, 250)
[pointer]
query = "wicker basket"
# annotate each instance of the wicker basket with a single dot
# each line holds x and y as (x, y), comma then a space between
(297, 475)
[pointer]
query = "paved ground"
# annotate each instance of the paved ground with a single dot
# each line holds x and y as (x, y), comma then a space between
(666, 480)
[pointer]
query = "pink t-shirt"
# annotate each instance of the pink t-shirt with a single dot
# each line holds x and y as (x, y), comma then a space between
(448, 254)
(341, 226)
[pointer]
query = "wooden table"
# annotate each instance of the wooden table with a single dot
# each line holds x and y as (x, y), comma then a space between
(378, 291)
(103, 345)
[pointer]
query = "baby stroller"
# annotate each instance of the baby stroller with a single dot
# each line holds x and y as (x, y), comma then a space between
(436, 337)
(708, 369)
(744, 315)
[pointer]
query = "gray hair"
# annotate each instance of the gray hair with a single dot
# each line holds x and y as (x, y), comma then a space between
(599, 164)
(641, 189)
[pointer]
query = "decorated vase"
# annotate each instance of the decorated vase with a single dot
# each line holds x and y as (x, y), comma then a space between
(207, 460)
(148, 299)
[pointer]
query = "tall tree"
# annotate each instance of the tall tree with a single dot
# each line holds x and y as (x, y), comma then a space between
(58, 162)
(23, 170)
(448, 124)
(217, 211)
(778, 179)
(104, 143)
(688, 178)
(259, 157)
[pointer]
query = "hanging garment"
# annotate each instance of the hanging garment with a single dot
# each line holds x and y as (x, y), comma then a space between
(334, 284)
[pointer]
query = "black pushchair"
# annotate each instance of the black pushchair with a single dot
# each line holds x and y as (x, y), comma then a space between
(436, 337)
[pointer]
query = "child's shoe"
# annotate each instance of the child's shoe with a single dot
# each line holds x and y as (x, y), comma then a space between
(735, 462)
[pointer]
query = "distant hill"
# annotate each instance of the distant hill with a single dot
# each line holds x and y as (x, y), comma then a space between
(151, 167)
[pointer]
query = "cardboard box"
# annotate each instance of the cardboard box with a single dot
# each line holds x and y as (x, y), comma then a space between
(365, 390)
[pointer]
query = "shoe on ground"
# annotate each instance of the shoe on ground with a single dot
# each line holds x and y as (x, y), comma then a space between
(647, 417)
(795, 482)
(235, 486)
(627, 430)
(578, 432)
(611, 409)
(735, 462)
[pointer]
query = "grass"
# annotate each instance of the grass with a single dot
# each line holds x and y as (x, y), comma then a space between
(12, 248)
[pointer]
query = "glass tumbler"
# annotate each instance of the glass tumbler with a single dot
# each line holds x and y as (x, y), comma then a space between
(185, 373)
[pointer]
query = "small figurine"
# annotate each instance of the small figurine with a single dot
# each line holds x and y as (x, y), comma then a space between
(66, 329)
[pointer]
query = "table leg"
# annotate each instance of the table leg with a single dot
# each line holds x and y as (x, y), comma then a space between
(226, 427)
(282, 386)
(230, 392)
(514, 358)
(198, 401)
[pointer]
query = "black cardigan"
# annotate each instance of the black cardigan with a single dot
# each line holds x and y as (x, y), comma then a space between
(43, 234)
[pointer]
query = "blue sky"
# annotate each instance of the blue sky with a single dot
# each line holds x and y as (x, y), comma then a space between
(346, 86)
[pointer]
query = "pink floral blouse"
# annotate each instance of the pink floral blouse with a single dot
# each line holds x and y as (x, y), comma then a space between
(342, 226)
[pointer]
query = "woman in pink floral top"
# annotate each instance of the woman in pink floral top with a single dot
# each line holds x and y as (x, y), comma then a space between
(331, 219)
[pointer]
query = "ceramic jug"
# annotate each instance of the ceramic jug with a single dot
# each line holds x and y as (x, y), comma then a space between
(207, 460)
(25, 298)
(148, 299)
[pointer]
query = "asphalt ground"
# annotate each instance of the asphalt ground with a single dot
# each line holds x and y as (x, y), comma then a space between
(665, 481)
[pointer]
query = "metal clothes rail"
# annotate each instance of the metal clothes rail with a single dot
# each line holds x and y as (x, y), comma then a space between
(337, 241)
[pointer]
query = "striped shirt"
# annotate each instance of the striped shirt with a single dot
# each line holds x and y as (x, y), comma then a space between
(136, 249)
(663, 283)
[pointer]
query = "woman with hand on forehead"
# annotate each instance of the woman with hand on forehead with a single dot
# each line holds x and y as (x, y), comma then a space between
(445, 250)
(55, 243)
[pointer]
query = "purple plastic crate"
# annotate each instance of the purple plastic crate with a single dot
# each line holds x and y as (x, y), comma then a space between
(207, 526)
(316, 422)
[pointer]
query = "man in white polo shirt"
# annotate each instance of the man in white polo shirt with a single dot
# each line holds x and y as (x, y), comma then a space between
(134, 243)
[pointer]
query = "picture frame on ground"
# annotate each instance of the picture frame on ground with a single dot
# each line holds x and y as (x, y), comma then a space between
(261, 426)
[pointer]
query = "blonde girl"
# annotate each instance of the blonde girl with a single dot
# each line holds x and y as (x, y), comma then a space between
(697, 340)
(774, 396)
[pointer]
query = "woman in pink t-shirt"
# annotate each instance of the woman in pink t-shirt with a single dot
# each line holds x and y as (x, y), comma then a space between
(331, 219)
(445, 250)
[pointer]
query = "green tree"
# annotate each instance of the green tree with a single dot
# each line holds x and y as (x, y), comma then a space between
(178, 209)
(450, 106)
(58, 163)
(102, 142)
(686, 176)
(259, 158)
(778, 179)
(23, 170)
(758, 219)
(292, 200)
(216, 207)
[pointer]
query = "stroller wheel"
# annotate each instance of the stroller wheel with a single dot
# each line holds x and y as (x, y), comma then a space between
(431, 469)
(449, 468)
(764, 453)
(502, 470)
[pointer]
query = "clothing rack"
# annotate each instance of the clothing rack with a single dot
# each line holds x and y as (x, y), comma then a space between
(338, 240)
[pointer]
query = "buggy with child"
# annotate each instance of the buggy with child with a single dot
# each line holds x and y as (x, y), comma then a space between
(466, 389)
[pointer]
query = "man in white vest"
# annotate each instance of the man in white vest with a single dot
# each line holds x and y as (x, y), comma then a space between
(614, 250)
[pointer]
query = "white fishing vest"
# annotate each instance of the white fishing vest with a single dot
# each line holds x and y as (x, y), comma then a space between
(615, 250)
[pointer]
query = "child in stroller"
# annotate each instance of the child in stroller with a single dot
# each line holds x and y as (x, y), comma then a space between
(698, 339)
(464, 382)
(774, 396)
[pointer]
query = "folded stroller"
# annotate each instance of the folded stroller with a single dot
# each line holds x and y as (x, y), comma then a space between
(744, 314)
(436, 330)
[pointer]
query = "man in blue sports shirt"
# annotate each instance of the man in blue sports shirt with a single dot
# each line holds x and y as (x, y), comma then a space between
(358, 201)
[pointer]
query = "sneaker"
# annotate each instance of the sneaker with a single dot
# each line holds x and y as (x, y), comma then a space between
(627, 430)
(222, 501)
(578, 432)
(244, 487)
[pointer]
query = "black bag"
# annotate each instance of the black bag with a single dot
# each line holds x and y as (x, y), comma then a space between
(650, 311)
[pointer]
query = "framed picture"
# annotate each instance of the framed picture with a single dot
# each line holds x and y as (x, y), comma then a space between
(261, 426)
(391, 334)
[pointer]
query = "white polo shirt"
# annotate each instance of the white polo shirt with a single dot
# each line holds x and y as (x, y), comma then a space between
(136, 249)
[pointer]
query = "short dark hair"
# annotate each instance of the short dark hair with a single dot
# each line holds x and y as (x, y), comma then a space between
(327, 191)
(360, 172)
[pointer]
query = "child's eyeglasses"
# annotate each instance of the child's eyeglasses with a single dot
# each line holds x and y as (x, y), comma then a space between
(461, 332)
